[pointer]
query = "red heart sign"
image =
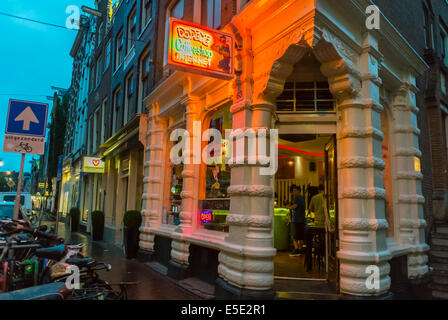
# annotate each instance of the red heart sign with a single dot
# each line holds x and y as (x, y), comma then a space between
(96, 162)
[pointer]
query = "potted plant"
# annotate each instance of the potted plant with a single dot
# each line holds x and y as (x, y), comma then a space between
(74, 219)
(97, 225)
(131, 221)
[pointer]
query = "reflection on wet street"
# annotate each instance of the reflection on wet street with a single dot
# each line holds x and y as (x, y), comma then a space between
(151, 285)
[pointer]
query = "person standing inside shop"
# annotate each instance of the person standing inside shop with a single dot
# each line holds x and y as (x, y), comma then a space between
(317, 206)
(297, 219)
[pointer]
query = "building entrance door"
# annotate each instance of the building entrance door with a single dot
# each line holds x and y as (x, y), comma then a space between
(307, 161)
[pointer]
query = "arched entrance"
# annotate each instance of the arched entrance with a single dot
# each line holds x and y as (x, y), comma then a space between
(306, 120)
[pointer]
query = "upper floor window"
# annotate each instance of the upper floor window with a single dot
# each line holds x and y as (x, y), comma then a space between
(92, 77)
(131, 29)
(129, 92)
(119, 49)
(443, 82)
(107, 56)
(145, 81)
(146, 13)
(213, 14)
(444, 43)
(103, 121)
(100, 34)
(99, 70)
(177, 11)
(97, 129)
(314, 96)
(115, 108)
(428, 27)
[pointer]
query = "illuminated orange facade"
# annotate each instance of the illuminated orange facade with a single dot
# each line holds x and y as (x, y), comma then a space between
(303, 68)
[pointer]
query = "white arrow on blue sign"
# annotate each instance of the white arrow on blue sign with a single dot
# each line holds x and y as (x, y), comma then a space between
(25, 127)
(27, 118)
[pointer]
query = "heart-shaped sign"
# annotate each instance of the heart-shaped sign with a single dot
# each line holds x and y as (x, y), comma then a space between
(96, 162)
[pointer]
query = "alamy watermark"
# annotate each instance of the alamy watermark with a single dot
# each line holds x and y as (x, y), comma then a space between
(373, 18)
(373, 280)
(72, 281)
(72, 21)
(252, 147)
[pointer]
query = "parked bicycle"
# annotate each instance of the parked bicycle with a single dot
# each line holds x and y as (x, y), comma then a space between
(34, 259)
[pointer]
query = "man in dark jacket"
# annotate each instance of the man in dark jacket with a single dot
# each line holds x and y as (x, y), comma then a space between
(297, 219)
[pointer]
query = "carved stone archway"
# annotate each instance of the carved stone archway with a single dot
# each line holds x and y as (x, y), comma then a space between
(362, 225)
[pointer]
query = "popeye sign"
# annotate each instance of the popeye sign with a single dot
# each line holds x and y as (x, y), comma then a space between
(196, 49)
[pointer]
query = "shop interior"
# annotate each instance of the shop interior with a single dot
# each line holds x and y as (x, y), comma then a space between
(302, 162)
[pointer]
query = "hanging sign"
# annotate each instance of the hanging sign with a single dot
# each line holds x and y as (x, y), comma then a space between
(92, 165)
(197, 49)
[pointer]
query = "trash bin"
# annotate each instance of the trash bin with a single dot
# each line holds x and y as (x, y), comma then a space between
(281, 229)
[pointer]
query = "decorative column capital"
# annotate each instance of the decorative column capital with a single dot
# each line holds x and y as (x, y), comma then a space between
(343, 78)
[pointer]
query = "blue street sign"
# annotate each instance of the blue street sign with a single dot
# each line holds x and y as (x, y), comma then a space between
(27, 118)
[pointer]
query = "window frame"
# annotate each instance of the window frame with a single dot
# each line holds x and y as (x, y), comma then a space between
(119, 49)
(174, 6)
(115, 107)
(129, 90)
(315, 91)
(146, 14)
(107, 55)
(215, 10)
(131, 28)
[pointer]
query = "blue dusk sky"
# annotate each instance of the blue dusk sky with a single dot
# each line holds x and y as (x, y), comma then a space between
(33, 57)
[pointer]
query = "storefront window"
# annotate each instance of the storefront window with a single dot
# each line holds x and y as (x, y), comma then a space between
(214, 202)
(173, 200)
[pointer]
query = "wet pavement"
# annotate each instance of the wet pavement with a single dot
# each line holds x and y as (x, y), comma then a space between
(151, 285)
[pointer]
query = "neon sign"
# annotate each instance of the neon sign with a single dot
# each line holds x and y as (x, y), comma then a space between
(206, 216)
(196, 49)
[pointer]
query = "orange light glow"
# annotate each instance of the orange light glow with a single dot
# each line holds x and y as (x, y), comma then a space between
(201, 50)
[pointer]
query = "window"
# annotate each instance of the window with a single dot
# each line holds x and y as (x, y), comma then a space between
(115, 109)
(444, 43)
(119, 49)
(92, 78)
(131, 30)
(129, 90)
(13, 199)
(312, 96)
(213, 14)
(103, 122)
(91, 136)
(100, 34)
(443, 82)
(99, 70)
(428, 28)
(173, 199)
(146, 13)
(177, 10)
(97, 129)
(446, 132)
(215, 202)
(145, 81)
(107, 57)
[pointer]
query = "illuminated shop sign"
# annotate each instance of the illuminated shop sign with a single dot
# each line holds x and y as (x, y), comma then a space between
(92, 165)
(196, 49)
(206, 216)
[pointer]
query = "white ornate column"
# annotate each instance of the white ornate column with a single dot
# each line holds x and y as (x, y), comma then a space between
(153, 181)
(362, 223)
(180, 249)
(246, 268)
(409, 179)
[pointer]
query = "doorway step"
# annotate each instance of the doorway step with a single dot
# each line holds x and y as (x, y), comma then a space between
(304, 289)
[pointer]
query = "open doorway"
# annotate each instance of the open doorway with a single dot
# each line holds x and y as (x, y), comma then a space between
(307, 163)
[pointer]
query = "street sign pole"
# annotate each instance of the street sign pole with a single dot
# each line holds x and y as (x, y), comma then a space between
(19, 187)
